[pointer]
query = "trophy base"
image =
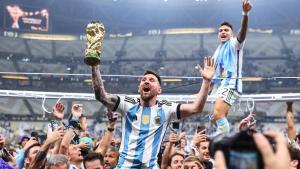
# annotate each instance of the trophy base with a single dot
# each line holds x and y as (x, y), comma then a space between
(92, 59)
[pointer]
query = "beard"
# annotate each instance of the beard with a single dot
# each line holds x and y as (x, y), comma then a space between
(148, 96)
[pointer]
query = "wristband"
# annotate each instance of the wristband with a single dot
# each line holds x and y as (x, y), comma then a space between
(245, 13)
(110, 129)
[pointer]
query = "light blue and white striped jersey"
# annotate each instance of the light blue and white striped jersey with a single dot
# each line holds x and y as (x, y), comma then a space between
(143, 129)
(231, 80)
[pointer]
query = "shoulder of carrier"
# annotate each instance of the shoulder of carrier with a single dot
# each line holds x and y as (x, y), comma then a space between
(131, 100)
(164, 102)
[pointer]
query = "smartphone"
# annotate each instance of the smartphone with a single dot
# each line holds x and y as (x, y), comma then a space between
(6, 152)
(200, 128)
(35, 135)
(5, 155)
(54, 124)
(175, 125)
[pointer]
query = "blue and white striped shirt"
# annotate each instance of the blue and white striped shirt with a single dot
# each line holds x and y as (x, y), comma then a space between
(230, 79)
(143, 129)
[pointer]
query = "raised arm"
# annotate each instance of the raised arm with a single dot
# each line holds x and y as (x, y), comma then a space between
(291, 129)
(109, 100)
(244, 25)
(21, 154)
(168, 150)
(66, 141)
(197, 106)
(40, 158)
(106, 139)
(58, 111)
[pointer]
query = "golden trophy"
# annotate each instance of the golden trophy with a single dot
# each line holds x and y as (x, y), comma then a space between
(94, 36)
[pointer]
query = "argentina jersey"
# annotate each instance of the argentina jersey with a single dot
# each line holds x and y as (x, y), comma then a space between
(231, 80)
(143, 129)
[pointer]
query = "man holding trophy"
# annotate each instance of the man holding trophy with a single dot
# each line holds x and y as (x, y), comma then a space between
(144, 119)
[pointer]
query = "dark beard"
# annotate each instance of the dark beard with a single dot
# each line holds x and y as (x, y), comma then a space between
(147, 98)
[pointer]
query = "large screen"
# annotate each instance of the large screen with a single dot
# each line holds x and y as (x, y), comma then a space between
(26, 18)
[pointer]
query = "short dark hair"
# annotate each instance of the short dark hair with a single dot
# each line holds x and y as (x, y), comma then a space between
(295, 154)
(153, 73)
(91, 156)
(30, 147)
(173, 155)
(226, 24)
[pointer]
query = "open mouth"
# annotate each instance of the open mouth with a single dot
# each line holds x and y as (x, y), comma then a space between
(146, 89)
(223, 36)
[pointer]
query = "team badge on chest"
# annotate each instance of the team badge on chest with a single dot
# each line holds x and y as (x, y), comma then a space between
(157, 120)
(145, 119)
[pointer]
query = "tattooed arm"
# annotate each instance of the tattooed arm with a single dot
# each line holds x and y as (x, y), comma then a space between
(244, 25)
(109, 100)
(40, 159)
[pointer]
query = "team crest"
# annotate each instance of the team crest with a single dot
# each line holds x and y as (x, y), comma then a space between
(157, 120)
(145, 119)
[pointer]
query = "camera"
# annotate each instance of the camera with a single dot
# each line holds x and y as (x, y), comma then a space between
(239, 150)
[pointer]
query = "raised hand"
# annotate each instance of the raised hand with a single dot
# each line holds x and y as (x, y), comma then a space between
(270, 157)
(58, 110)
(30, 142)
(111, 116)
(83, 145)
(246, 6)
(182, 134)
(246, 122)
(77, 110)
(173, 138)
(199, 136)
(209, 69)
(57, 134)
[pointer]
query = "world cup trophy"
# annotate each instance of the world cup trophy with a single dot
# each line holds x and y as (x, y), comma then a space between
(94, 36)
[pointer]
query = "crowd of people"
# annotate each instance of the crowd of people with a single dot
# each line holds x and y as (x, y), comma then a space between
(71, 147)
(145, 120)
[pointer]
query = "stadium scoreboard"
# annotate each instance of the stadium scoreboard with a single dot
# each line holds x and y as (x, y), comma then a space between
(27, 19)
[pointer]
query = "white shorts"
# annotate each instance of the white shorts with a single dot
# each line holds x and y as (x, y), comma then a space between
(228, 95)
